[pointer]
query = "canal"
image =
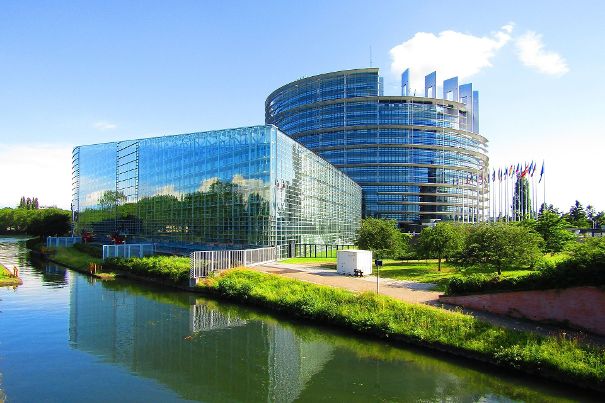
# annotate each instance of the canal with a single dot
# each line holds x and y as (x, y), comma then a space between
(65, 337)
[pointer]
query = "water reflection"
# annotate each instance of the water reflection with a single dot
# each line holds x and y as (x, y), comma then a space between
(213, 351)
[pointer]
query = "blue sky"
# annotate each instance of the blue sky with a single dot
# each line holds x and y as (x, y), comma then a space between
(87, 72)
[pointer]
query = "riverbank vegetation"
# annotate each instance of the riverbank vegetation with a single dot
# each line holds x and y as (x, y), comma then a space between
(166, 268)
(555, 357)
(7, 278)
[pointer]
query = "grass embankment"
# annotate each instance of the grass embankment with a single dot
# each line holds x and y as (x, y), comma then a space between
(171, 269)
(78, 260)
(553, 357)
(6, 277)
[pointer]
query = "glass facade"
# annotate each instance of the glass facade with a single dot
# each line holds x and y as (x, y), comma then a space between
(416, 158)
(230, 188)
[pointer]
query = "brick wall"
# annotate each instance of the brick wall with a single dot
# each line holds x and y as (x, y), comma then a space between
(579, 307)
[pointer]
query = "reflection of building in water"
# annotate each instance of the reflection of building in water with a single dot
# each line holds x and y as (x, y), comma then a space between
(292, 363)
(225, 359)
(203, 318)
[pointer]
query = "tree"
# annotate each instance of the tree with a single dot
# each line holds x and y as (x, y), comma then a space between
(599, 219)
(441, 241)
(553, 229)
(522, 198)
(577, 216)
(382, 237)
(49, 222)
(500, 245)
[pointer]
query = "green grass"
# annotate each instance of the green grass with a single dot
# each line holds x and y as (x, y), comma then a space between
(74, 258)
(167, 268)
(423, 271)
(383, 316)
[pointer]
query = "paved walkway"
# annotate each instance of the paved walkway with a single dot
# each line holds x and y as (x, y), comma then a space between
(414, 292)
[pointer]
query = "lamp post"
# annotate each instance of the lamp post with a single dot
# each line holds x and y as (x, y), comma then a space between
(377, 263)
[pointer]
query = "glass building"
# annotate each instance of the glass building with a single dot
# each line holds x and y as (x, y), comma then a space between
(224, 189)
(417, 158)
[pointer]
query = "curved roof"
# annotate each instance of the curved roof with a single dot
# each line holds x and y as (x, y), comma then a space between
(324, 75)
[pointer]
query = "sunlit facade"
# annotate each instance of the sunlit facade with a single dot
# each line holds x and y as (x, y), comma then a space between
(417, 158)
(231, 188)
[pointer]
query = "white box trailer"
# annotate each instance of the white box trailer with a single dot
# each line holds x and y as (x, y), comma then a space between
(347, 261)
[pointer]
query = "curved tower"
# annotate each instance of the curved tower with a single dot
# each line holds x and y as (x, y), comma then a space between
(418, 159)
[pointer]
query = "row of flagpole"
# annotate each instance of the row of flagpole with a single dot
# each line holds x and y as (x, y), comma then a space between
(514, 192)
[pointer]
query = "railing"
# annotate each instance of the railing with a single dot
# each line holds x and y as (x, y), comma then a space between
(203, 263)
(203, 319)
(62, 241)
(318, 250)
(128, 250)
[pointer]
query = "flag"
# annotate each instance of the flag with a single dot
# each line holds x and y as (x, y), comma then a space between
(541, 172)
(505, 172)
(494, 175)
(500, 174)
(533, 170)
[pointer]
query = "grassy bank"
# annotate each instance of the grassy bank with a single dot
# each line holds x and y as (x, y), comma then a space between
(78, 260)
(557, 358)
(6, 278)
(171, 269)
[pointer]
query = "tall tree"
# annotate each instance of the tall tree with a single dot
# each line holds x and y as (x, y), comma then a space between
(577, 216)
(441, 241)
(522, 198)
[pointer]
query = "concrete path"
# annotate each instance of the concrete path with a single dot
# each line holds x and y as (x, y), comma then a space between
(414, 292)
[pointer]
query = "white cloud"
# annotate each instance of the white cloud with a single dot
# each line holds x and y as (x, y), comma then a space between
(531, 52)
(450, 53)
(103, 125)
(38, 170)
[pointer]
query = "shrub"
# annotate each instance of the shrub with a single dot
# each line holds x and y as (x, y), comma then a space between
(585, 267)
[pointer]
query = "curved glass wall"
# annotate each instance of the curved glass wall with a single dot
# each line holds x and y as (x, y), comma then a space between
(412, 155)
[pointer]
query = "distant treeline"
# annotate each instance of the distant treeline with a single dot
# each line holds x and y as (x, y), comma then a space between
(35, 221)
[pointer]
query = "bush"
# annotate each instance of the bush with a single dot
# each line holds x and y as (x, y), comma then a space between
(585, 267)
(168, 268)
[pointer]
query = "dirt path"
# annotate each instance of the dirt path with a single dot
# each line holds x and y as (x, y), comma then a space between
(414, 292)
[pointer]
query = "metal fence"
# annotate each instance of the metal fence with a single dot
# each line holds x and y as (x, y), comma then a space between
(62, 241)
(128, 250)
(204, 263)
(317, 250)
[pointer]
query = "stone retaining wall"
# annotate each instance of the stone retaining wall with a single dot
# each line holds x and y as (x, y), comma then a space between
(578, 307)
